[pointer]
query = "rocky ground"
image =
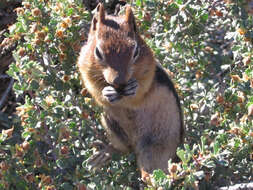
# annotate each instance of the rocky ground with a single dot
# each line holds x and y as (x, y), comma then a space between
(7, 97)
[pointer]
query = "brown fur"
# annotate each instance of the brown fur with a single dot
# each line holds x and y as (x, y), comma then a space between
(148, 123)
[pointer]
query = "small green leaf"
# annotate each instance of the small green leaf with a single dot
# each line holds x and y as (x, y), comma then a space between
(209, 164)
(181, 154)
(216, 147)
(159, 175)
(66, 186)
(223, 162)
(34, 85)
(138, 3)
(204, 17)
(180, 2)
(70, 11)
(26, 134)
(203, 142)
(60, 163)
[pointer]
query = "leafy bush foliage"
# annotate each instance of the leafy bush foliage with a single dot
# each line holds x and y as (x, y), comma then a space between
(206, 45)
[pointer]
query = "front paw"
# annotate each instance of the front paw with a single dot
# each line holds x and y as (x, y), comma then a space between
(131, 88)
(110, 94)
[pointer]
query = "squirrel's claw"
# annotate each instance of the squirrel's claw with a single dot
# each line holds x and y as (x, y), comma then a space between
(110, 94)
(131, 88)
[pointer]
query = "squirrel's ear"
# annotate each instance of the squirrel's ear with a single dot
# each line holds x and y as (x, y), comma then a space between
(94, 23)
(98, 17)
(100, 12)
(129, 18)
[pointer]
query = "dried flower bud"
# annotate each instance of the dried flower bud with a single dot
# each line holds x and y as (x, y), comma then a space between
(76, 46)
(46, 180)
(247, 60)
(49, 100)
(215, 119)
(208, 49)
(19, 151)
(6, 41)
(241, 31)
(250, 110)
(85, 115)
(245, 77)
(27, 5)
(29, 178)
(20, 10)
(37, 41)
(25, 145)
(36, 12)
(67, 21)
(62, 56)
(33, 27)
(64, 150)
(235, 78)
(75, 17)
(81, 186)
(47, 39)
(198, 74)
(4, 166)
(59, 34)
(21, 51)
(8, 132)
(62, 47)
(38, 162)
(220, 99)
(64, 133)
(66, 78)
(235, 131)
(51, 187)
(194, 107)
(240, 97)
(147, 17)
(40, 35)
(218, 13)
(173, 168)
(64, 25)
(84, 92)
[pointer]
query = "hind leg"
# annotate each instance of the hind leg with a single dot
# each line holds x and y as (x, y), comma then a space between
(118, 143)
(153, 154)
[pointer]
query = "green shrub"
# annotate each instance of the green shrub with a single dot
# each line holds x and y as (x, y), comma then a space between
(206, 45)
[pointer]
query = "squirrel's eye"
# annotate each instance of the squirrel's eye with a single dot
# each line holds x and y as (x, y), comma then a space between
(136, 52)
(98, 54)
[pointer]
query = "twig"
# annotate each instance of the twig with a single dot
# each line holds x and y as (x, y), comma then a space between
(242, 186)
(2, 100)
(4, 77)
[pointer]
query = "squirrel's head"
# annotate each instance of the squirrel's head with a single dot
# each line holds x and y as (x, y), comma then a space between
(114, 43)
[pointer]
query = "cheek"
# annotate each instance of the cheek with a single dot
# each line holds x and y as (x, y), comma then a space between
(142, 71)
(106, 75)
(131, 72)
(109, 75)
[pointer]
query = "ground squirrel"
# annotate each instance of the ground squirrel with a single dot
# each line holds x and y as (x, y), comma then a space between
(142, 112)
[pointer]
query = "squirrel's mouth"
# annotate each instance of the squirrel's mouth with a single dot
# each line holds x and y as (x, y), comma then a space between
(120, 89)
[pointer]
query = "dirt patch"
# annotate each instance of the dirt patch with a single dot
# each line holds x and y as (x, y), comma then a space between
(7, 97)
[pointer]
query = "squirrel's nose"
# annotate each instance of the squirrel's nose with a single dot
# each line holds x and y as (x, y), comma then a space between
(119, 82)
